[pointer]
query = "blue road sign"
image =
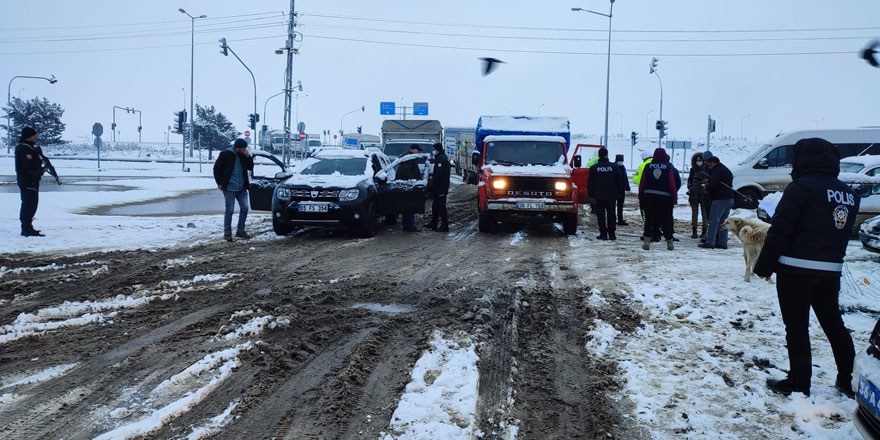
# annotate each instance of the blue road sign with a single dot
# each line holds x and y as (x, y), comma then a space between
(351, 141)
(386, 108)
(420, 108)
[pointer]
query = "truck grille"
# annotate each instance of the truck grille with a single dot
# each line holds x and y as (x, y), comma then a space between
(323, 194)
(530, 187)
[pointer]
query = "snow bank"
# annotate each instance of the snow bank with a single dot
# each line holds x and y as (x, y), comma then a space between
(552, 124)
(4, 270)
(601, 337)
(441, 399)
(256, 326)
(42, 376)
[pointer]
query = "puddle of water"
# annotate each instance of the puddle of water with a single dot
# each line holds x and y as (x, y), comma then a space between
(193, 203)
(68, 187)
(391, 309)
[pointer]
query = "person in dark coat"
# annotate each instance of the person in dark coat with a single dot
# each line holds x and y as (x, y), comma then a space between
(231, 174)
(695, 195)
(626, 188)
(604, 186)
(29, 169)
(705, 200)
(409, 170)
(720, 189)
(805, 246)
(658, 194)
(439, 190)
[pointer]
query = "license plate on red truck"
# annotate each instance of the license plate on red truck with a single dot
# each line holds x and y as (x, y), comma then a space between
(532, 206)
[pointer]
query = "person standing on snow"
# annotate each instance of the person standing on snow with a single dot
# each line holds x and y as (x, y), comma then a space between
(605, 186)
(720, 189)
(658, 194)
(439, 190)
(805, 246)
(409, 170)
(706, 200)
(626, 188)
(29, 169)
(695, 194)
(637, 179)
(231, 174)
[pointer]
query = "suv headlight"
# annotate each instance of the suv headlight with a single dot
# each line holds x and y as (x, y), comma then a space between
(348, 195)
(282, 193)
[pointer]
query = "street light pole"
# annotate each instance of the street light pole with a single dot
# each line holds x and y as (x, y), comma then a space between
(254, 79)
(608, 63)
(341, 132)
(192, 68)
(741, 122)
(51, 80)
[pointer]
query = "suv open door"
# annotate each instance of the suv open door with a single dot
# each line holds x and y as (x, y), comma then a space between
(400, 196)
(261, 188)
(580, 174)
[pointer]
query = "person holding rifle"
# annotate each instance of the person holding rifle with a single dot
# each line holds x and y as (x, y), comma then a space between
(30, 164)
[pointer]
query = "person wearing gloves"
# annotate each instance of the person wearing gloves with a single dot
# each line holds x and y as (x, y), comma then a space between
(805, 247)
(658, 194)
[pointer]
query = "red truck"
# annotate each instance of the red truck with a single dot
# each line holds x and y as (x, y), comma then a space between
(525, 172)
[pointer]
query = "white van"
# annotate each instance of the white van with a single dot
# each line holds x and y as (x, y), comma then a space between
(768, 169)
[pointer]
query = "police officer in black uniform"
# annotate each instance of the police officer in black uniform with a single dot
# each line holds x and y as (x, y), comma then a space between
(805, 247)
(29, 169)
(439, 190)
(605, 184)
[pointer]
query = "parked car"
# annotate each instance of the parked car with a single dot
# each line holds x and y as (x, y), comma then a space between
(338, 187)
(869, 234)
(867, 187)
(768, 169)
(866, 384)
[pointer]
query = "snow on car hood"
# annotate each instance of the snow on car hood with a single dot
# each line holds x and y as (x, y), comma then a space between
(530, 170)
(322, 181)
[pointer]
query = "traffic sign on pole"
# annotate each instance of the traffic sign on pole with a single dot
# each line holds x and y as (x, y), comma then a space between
(301, 126)
(302, 135)
(247, 133)
(387, 108)
(420, 109)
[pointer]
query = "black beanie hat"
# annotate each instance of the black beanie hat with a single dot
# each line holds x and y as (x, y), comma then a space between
(27, 132)
(618, 158)
(240, 143)
(438, 146)
(603, 152)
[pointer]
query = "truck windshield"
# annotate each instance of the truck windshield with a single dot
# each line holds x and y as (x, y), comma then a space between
(355, 166)
(524, 153)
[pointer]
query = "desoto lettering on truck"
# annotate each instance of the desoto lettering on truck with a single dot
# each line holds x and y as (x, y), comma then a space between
(524, 173)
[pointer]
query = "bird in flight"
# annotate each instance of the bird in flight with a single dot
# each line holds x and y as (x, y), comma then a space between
(870, 52)
(490, 64)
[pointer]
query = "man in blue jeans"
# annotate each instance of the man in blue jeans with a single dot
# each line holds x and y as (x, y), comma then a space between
(720, 189)
(231, 175)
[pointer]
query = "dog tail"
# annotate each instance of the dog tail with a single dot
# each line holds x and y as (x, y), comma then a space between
(754, 235)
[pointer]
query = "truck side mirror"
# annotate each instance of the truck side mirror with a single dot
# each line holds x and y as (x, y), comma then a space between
(475, 159)
(577, 162)
(763, 164)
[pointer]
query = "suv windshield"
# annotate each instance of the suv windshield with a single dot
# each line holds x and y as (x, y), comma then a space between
(849, 167)
(355, 166)
(754, 155)
(397, 149)
(524, 153)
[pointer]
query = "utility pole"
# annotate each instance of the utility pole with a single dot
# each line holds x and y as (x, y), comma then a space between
(288, 80)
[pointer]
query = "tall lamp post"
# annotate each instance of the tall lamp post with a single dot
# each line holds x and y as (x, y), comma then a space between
(608, 73)
(192, 67)
(226, 48)
(662, 130)
(362, 108)
(741, 122)
(51, 80)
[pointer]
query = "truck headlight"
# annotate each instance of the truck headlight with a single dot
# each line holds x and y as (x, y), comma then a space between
(348, 195)
(282, 193)
(499, 184)
(561, 185)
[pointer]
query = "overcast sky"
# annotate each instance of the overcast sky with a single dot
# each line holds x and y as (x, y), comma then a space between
(104, 53)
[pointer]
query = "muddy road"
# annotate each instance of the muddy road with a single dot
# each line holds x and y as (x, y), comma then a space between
(311, 336)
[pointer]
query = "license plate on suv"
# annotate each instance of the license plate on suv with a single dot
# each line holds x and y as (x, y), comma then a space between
(531, 205)
(312, 208)
(869, 396)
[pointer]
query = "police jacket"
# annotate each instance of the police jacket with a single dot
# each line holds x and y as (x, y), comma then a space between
(226, 163)
(720, 185)
(28, 164)
(637, 177)
(604, 181)
(812, 223)
(660, 179)
(441, 173)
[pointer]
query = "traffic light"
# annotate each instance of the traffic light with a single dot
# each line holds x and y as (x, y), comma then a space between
(661, 127)
(635, 137)
(252, 122)
(265, 128)
(180, 122)
(113, 126)
(360, 129)
(224, 48)
(654, 65)
(711, 125)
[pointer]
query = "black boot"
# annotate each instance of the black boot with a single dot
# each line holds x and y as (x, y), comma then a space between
(27, 230)
(694, 234)
(444, 227)
(432, 226)
(786, 387)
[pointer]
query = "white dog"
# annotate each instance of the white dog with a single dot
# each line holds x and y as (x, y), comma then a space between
(752, 236)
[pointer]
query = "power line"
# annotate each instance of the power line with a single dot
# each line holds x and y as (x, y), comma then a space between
(556, 29)
(143, 23)
(128, 49)
(616, 40)
(164, 34)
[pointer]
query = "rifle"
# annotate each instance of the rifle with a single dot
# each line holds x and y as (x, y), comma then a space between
(728, 187)
(48, 165)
